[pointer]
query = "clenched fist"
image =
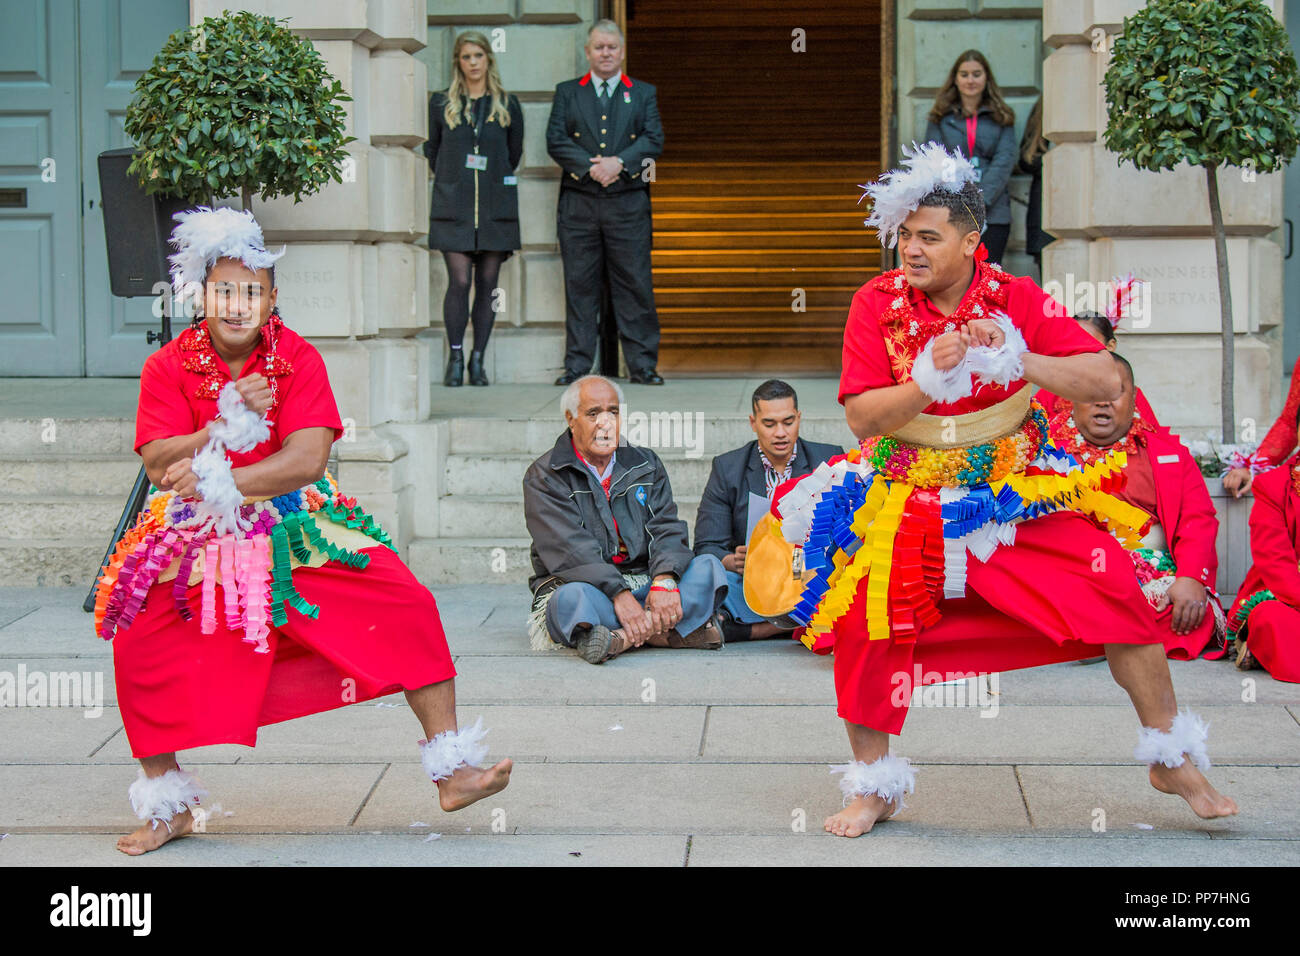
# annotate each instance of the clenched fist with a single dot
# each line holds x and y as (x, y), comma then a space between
(255, 390)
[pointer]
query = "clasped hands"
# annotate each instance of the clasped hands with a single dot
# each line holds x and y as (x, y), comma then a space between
(662, 612)
(606, 169)
(950, 348)
(179, 477)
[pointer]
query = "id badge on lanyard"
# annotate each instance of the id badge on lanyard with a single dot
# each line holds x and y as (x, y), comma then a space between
(474, 160)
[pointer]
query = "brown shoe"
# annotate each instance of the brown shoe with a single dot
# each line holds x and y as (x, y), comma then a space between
(707, 636)
(599, 644)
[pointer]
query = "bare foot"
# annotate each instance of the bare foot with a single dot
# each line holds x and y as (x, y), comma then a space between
(149, 837)
(470, 784)
(859, 816)
(1190, 784)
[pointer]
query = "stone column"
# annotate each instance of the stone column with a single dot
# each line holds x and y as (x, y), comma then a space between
(1112, 219)
(355, 278)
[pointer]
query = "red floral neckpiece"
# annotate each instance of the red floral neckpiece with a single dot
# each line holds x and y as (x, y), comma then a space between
(1065, 436)
(198, 355)
(906, 333)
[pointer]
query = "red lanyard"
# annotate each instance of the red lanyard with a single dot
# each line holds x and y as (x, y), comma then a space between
(971, 123)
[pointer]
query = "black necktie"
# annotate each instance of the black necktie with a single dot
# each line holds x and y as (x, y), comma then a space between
(603, 87)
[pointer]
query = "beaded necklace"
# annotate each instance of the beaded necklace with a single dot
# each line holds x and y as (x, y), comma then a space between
(199, 356)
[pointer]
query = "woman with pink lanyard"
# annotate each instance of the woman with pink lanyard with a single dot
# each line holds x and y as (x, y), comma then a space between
(970, 116)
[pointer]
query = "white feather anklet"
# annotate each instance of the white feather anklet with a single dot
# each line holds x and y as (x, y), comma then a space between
(888, 777)
(1187, 735)
(452, 749)
(161, 798)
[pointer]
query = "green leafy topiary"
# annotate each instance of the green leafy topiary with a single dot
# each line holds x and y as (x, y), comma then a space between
(1209, 83)
(237, 104)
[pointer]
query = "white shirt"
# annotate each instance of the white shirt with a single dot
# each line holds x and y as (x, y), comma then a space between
(612, 82)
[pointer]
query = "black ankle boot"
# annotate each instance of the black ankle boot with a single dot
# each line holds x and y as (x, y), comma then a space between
(455, 376)
(476, 374)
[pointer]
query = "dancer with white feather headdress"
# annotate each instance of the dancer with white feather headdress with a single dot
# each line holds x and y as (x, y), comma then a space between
(252, 590)
(957, 540)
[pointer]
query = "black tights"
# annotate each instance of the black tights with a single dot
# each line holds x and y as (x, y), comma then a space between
(455, 306)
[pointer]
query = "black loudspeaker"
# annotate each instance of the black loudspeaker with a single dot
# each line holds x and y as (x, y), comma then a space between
(136, 227)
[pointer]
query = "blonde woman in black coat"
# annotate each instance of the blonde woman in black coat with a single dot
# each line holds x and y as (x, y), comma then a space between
(476, 139)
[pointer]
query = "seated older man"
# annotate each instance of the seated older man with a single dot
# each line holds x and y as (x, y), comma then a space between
(612, 569)
(777, 454)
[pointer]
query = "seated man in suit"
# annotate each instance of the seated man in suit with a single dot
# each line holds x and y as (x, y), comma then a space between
(722, 523)
(612, 569)
(1177, 562)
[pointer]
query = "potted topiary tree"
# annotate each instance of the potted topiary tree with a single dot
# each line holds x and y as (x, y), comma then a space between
(1208, 83)
(236, 105)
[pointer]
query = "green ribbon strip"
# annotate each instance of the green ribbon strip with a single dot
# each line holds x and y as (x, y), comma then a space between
(1238, 620)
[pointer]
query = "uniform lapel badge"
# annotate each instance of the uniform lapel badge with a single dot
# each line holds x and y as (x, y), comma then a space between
(627, 97)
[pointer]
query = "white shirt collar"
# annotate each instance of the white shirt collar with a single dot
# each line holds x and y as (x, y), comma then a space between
(601, 476)
(613, 82)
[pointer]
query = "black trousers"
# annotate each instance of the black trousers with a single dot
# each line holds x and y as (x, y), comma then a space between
(607, 231)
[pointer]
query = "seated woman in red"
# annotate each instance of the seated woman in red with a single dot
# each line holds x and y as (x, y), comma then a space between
(251, 591)
(1266, 615)
(1102, 329)
(1276, 447)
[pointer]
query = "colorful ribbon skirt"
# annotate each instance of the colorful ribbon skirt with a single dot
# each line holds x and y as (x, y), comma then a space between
(309, 527)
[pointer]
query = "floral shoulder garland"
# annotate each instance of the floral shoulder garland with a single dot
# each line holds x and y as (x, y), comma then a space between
(1067, 437)
(199, 356)
(906, 334)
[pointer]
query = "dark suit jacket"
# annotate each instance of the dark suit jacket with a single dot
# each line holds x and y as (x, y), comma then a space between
(573, 525)
(632, 132)
(995, 146)
(722, 520)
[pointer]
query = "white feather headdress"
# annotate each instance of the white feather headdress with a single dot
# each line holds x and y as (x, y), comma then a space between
(206, 235)
(898, 193)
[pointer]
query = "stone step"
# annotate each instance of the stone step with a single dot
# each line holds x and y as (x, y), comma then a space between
(90, 475)
(45, 562)
(493, 518)
(444, 561)
(504, 474)
(71, 517)
(671, 434)
(41, 438)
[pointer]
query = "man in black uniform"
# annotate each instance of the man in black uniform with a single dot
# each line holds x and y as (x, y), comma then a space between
(604, 132)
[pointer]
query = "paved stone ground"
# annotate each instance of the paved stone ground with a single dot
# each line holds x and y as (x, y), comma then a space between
(719, 768)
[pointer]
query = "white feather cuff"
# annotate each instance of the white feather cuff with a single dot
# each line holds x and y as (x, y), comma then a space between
(1187, 735)
(453, 749)
(161, 798)
(239, 428)
(1002, 365)
(888, 777)
(949, 386)
(219, 497)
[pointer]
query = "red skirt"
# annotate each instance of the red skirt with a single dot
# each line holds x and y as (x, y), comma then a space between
(378, 632)
(1273, 635)
(1061, 592)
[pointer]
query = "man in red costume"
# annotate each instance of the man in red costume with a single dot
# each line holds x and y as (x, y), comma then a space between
(1177, 562)
(1266, 614)
(235, 424)
(919, 333)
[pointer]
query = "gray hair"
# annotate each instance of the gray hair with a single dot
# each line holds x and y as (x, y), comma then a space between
(605, 26)
(573, 394)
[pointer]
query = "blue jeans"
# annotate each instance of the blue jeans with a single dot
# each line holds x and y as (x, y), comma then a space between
(579, 605)
(735, 603)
